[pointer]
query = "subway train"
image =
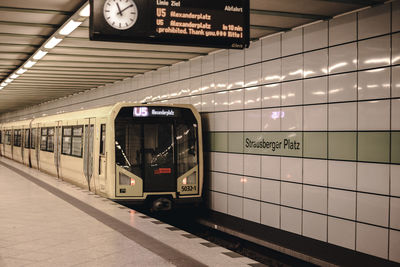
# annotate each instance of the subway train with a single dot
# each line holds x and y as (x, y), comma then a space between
(128, 152)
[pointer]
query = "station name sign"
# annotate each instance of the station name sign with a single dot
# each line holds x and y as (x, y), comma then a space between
(208, 23)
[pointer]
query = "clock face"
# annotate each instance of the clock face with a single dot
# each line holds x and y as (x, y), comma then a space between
(120, 14)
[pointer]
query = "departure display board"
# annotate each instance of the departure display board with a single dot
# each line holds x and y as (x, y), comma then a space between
(208, 23)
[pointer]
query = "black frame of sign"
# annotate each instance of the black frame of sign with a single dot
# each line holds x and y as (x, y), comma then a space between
(144, 30)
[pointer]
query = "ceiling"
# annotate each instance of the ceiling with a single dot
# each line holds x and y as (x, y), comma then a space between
(77, 64)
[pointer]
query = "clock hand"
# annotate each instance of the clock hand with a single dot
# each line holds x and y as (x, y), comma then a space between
(125, 9)
(120, 12)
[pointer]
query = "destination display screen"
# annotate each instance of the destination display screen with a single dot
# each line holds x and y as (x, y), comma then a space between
(144, 112)
(209, 23)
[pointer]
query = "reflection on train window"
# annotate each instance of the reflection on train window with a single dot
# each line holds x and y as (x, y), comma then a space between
(47, 140)
(72, 141)
(102, 139)
(186, 139)
(33, 138)
(7, 137)
(17, 138)
(27, 139)
(1, 137)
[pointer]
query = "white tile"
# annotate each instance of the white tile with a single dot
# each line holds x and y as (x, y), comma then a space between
(342, 203)
(291, 169)
(220, 162)
(221, 60)
(342, 174)
(236, 58)
(270, 167)
(316, 36)
(315, 226)
(374, 84)
(316, 118)
(195, 67)
(373, 209)
(395, 180)
(219, 182)
(235, 121)
(396, 17)
(271, 71)
(270, 191)
(395, 114)
(252, 75)
(221, 80)
(253, 53)
(343, 117)
(396, 48)
(221, 121)
(196, 102)
(291, 195)
(236, 78)
(372, 240)
(235, 206)
(374, 115)
(271, 95)
(341, 232)
(271, 120)
(374, 52)
(165, 75)
(219, 202)
(291, 220)
(315, 171)
(221, 100)
(292, 93)
(343, 58)
(395, 213)
(252, 165)
(396, 81)
(292, 68)
(207, 102)
(184, 70)
(252, 188)
(252, 120)
(315, 199)
(236, 99)
(316, 90)
(235, 184)
(394, 246)
(373, 178)
(235, 163)
(343, 87)
(207, 64)
(343, 29)
(292, 42)
(207, 83)
(270, 215)
(271, 47)
(252, 210)
(374, 21)
(316, 63)
(252, 97)
(292, 119)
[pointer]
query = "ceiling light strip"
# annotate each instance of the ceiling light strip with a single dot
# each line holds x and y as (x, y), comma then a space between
(67, 28)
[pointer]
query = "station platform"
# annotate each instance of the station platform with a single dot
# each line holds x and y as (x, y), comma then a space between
(47, 222)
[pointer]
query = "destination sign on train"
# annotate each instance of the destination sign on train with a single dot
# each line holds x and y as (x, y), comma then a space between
(209, 23)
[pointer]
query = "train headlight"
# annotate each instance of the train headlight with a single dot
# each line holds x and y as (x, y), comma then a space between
(125, 180)
(191, 179)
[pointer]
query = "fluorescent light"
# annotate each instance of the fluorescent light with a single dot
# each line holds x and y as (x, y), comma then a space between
(39, 54)
(29, 64)
(20, 71)
(70, 27)
(4, 84)
(85, 12)
(1, 87)
(52, 43)
(14, 76)
(9, 80)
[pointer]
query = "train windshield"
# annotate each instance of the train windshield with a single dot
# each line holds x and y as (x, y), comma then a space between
(156, 149)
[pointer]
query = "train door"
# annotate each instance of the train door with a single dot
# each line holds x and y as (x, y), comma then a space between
(57, 147)
(88, 153)
(1, 142)
(35, 146)
(102, 168)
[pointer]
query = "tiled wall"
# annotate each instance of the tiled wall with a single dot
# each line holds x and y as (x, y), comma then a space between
(333, 87)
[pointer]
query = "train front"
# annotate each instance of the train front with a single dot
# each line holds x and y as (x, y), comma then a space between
(158, 155)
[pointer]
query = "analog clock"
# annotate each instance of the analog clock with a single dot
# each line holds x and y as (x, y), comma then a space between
(120, 14)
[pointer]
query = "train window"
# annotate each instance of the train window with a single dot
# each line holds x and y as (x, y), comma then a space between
(102, 139)
(72, 141)
(186, 139)
(47, 139)
(17, 138)
(1, 140)
(33, 138)
(7, 137)
(27, 139)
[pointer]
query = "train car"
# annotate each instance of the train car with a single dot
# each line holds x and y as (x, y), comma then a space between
(127, 152)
